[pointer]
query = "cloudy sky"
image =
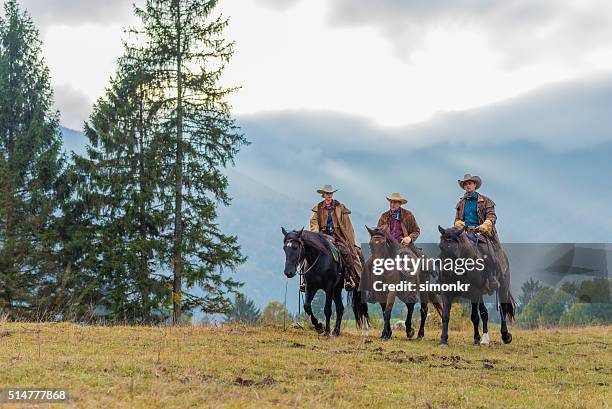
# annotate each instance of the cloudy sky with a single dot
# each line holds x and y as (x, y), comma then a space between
(389, 95)
(392, 62)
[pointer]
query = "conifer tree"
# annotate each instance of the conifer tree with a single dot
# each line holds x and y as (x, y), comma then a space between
(181, 46)
(118, 184)
(30, 162)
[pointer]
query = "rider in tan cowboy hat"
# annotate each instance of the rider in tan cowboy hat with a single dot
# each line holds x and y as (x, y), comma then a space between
(399, 222)
(332, 218)
(476, 212)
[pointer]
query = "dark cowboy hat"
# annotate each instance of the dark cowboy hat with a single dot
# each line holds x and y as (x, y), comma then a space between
(467, 177)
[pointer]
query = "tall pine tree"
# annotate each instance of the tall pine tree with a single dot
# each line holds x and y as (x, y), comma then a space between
(30, 162)
(118, 184)
(181, 45)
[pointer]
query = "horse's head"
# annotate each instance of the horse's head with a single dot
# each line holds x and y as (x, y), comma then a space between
(454, 243)
(381, 244)
(294, 250)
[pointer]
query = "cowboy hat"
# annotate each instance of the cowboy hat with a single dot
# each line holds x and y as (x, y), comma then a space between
(326, 189)
(467, 177)
(396, 197)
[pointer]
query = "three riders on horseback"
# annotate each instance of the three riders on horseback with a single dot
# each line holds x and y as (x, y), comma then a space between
(328, 256)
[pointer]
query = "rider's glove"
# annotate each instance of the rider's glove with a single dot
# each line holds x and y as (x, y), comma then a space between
(407, 240)
(486, 227)
(460, 223)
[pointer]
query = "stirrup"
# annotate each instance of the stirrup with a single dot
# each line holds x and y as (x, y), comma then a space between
(491, 285)
(349, 285)
(302, 287)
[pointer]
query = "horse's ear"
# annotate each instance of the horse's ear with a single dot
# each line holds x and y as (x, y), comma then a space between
(284, 231)
(371, 231)
(300, 233)
(441, 229)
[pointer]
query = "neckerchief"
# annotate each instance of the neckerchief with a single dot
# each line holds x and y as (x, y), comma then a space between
(395, 214)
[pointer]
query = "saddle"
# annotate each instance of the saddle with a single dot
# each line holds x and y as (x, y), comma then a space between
(343, 255)
(331, 241)
(485, 248)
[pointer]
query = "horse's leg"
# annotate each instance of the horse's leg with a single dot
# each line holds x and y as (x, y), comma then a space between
(424, 309)
(484, 315)
(445, 318)
(327, 310)
(505, 334)
(383, 307)
(409, 329)
(339, 310)
(476, 321)
(387, 331)
(310, 293)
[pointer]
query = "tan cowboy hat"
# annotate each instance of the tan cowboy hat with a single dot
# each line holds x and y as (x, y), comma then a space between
(396, 197)
(467, 177)
(326, 189)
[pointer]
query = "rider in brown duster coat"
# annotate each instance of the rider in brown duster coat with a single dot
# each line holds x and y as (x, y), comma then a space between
(341, 229)
(485, 211)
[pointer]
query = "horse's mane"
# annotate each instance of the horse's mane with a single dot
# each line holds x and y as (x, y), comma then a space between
(388, 237)
(315, 240)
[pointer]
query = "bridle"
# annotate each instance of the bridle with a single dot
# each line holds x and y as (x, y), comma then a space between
(473, 246)
(385, 241)
(301, 258)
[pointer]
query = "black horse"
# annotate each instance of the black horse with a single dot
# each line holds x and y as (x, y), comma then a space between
(384, 246)
(312, 253)
(456, 244)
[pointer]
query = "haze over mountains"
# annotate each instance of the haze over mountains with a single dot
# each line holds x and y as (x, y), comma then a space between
(545, 158)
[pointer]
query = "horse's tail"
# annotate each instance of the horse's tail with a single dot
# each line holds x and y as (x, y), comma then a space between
(438, 305)
(360, 309)
(509, 306)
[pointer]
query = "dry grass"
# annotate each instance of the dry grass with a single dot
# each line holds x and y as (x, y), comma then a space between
(236, 366)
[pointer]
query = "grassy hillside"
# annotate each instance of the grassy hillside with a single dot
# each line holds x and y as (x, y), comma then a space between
(235, 366)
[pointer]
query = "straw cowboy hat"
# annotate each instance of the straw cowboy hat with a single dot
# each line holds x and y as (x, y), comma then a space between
(467, 177)
(326, 189)
(396, 197)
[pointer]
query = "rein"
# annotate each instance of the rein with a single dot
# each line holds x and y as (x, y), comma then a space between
(302, 259)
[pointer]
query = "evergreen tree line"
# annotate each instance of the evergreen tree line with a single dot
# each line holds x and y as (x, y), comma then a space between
(128, 230)
(573, 304)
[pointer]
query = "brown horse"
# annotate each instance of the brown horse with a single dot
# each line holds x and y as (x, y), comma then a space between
(455, 243)
(384, 246)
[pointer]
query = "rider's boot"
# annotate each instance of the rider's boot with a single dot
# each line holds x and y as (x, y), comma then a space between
(349, 284)
(491, 284)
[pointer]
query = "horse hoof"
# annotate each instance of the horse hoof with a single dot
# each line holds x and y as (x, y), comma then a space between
(326, 334)
(319, 328)
(421, 335)
(476, 341)
(336, 333)
(507, 338)
(410, 333)
(485, 340)
(443, 345)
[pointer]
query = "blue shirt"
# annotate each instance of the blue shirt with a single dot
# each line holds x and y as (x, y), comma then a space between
(470, 213)
(330, 222)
